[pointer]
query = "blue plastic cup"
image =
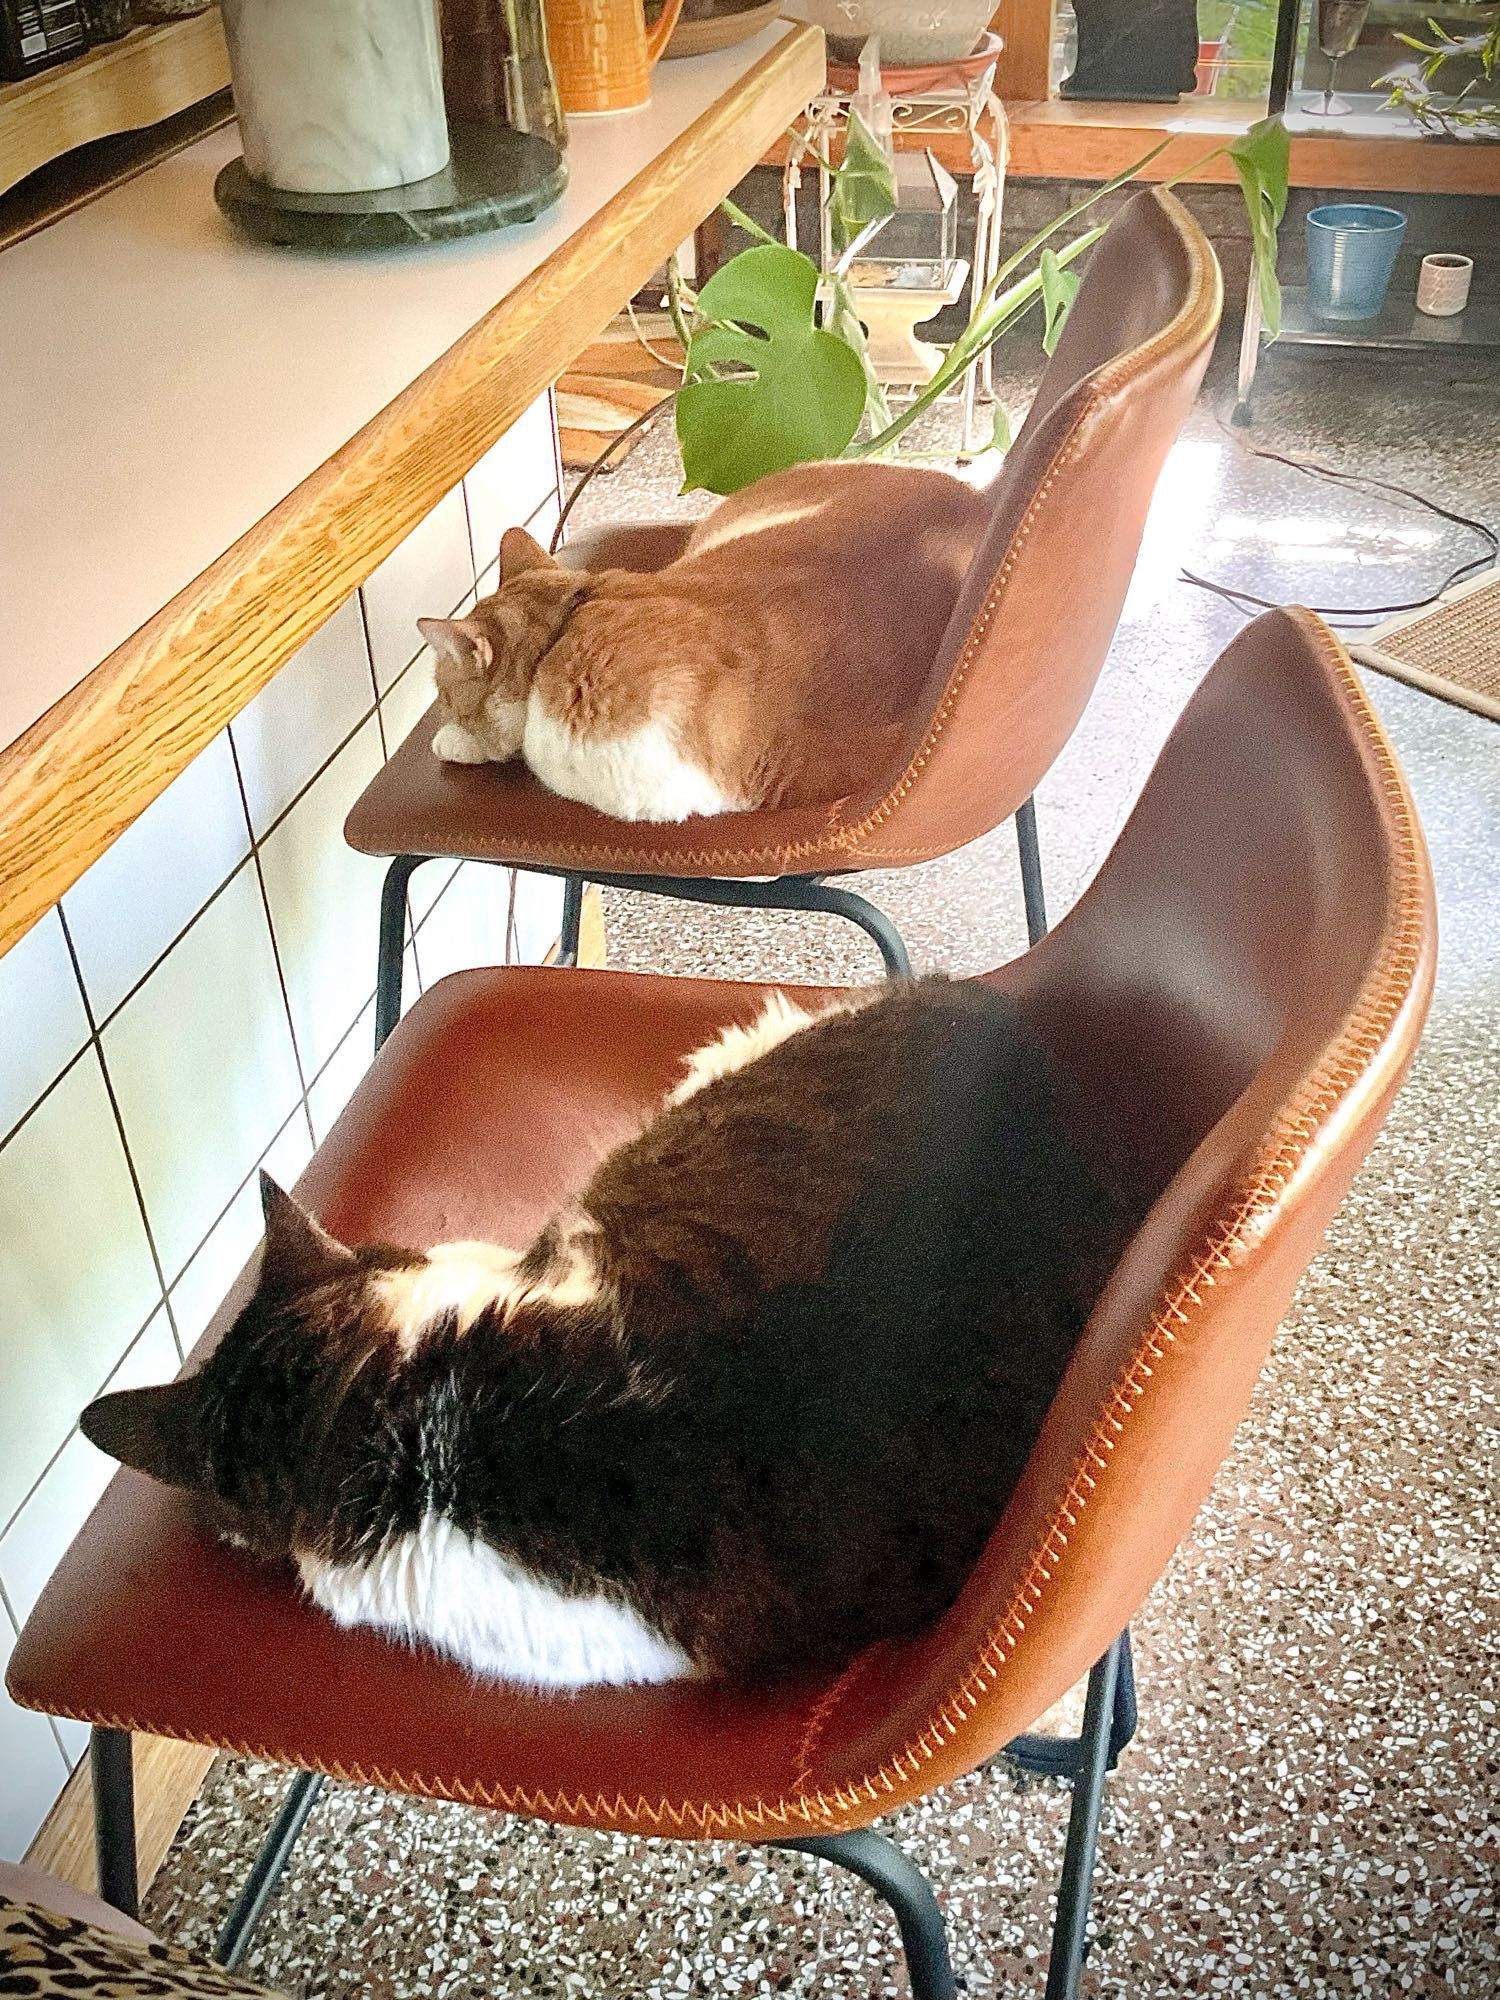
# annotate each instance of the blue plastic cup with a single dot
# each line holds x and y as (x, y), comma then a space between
(1351, 253)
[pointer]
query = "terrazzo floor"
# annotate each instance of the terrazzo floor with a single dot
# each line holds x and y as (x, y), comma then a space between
(1311, 1804)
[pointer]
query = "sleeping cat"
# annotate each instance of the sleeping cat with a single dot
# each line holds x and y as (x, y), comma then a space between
(754, 1399)
(777, 662)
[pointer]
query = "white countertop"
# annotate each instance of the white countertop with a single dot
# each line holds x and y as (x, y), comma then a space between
(165, 383)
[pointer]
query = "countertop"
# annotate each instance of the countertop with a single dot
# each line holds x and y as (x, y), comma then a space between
(209, 444)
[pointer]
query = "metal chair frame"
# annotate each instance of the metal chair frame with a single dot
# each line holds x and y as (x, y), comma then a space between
(782, 892)
(1108, 1724)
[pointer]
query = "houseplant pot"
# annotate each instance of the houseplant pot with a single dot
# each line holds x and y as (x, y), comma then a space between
(910, 31)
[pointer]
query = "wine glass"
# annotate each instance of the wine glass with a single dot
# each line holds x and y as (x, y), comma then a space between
(1340, 24)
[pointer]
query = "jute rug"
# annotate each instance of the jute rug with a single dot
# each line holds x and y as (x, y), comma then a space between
(1452, 649)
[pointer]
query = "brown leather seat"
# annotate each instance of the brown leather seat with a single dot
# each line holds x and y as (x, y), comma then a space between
(1020, 657)
(1235, 1001)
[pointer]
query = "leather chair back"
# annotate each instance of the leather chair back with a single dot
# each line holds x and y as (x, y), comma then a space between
(1034, 622)
(1236, 998)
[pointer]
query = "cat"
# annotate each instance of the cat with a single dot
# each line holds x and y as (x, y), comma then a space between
(777, 662)
(752, 1401)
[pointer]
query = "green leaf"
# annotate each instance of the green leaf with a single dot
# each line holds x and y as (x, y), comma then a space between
(807, 394)
(1267, 150)
(1059, 289)
(844, 322)
(864, 185)
(1262, 160)
(1001, 435)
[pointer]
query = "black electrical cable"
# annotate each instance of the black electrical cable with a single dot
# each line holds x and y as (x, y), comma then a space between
(1314, 468)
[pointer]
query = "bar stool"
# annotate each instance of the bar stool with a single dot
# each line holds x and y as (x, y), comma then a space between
(1018, 662)
(1237, 997)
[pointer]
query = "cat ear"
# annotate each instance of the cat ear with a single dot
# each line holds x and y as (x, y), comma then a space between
(298, 1252)
(520, 552)
(155, 1431)
(461, 642)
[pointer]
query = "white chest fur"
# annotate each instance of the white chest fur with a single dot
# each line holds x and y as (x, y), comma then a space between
(440, 1587)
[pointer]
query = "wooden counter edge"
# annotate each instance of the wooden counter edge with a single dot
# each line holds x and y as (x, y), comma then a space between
(87, 768)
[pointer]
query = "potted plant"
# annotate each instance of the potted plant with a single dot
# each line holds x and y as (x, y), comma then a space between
(770, 380)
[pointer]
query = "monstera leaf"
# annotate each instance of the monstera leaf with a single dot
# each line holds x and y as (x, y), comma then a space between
(797, 393)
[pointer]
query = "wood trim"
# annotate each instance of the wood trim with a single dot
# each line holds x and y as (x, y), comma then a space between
(83, 772)
(168, 1777)
(593, 946)
(593, 949)
(149, 75)
(1024, 71)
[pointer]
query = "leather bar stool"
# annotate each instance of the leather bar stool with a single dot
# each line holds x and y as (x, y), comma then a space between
(1234, 1000)
(1017, 664)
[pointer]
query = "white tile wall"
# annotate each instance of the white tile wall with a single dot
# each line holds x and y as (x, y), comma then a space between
(230, 1021)
(427, 577)
(197, 1121)
(157, 876)
(510, 483)
(76, 1272)
(38, 989)
(325, 903)
(294, 725)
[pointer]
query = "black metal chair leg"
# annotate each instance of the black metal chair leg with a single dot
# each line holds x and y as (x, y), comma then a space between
(572, 920)
(391, 955)
(1062, 1756)
(1031, 872)
(808, 893)
(112, 1769)
(267, 1869)
(1070, 1928)
(903, 1885)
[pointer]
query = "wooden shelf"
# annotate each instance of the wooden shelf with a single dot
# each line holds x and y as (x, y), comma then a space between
(150, 75)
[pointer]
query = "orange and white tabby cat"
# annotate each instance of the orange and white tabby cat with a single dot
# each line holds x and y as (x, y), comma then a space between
(776, 662)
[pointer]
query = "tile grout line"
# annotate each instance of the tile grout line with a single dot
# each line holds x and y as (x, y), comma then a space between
(96, 1039)
(130, 1346)
(286, 998)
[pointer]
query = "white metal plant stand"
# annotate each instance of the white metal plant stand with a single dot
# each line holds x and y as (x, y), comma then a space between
(940, 97)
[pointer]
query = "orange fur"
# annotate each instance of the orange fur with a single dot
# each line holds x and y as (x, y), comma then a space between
(780, 658)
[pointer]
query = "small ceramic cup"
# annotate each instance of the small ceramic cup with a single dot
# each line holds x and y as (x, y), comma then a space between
(1443, 284)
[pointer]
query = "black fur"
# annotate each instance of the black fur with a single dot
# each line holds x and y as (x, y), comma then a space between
(840, 1286)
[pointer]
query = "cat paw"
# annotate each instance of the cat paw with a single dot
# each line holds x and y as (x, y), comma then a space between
(454, 745)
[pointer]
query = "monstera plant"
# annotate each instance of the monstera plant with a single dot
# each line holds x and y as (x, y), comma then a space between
(770, 381)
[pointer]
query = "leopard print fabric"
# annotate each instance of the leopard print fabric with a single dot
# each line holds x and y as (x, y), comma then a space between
(42, 1954)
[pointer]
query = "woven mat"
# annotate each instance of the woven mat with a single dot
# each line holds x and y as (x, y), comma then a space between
(1452, 650)
(612, 383)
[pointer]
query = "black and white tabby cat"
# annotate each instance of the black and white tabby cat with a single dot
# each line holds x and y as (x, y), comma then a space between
(755, 1399)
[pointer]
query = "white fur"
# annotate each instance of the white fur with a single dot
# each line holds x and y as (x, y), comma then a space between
(492, 736)
(778, 1019)
(442, 1588)
(732, 1050)
(456, 745)
(714, 532)
(640, 775)
(467, 1279)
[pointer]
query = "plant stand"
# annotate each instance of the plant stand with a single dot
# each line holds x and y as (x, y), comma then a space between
(937, 98)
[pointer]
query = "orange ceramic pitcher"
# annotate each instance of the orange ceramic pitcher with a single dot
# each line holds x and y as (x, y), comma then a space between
(602, 53)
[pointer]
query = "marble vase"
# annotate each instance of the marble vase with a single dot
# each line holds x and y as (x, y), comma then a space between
(338, 96)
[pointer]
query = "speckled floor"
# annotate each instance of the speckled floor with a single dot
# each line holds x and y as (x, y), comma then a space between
(1311, 1804)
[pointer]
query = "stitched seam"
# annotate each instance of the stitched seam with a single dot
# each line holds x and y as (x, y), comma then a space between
(1383, 994)
(1103, 384)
